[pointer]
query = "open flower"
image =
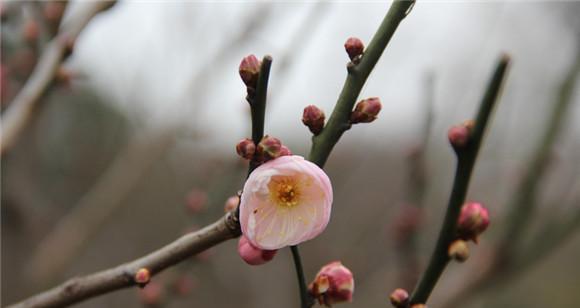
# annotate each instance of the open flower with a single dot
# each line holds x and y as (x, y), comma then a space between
(285, 201)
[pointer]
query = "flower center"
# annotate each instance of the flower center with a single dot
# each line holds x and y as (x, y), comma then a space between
(285, 192)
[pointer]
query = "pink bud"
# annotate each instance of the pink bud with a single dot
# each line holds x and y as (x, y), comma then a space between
(354, 47)
(285, 151)
(333, 284)
(269, 148)
(399, 298)
(473, 220)
(253, 255)
(151, 294)
(458, 136)
(142, 276)
(366, 110)
(246, 148)
(458, 250)
(313, 117)
(231, 203)
(250, 70)
(196, 201)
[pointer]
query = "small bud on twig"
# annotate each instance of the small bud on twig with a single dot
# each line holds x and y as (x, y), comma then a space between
(354, 48)
(142, 277)
(459, 135)
(473, 220)
(458, 250)
(334, 283)
(246, 148)
(313, 118)
(254, 255)
(250, 70)
(399, 298)
(269, 148)
(231, 203)
(366, 110)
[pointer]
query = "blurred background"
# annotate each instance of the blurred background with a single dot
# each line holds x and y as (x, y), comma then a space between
(133, 145)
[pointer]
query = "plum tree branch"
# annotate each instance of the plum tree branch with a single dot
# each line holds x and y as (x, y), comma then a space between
(22, 108)
(122, 276)
(82, 288)
(465, 162)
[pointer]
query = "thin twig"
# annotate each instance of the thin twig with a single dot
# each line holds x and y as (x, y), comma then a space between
(258, 106)
(305, 299)
(21, 109)
(510, 262)
(465, 162)
(122, 276)
(338, 123)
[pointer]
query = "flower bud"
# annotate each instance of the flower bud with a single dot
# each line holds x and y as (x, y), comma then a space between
(473, 220)
(399, 298)
(366, 110)
(458, 136)
(458, 250)
(333, 284)
(285, 151)
(313, 117)
(152, 294)
(231, 203)
(269, 147)
(354, 48)
(246, 148)
(250, 70)
(142, 277)
(253, 255)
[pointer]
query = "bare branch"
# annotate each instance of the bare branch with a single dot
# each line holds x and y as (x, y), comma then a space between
(122, 276)
(22, 108)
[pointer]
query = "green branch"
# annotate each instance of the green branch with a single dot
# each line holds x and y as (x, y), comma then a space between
(338, 123)
(466, 158)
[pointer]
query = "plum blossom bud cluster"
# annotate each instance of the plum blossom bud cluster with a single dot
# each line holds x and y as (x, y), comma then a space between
(366, 110)
(267, 149)
(473, 221)
(399, 298)
(313, 117)
(252, 254)
(285, 201)
(333, 284)
(354, 48)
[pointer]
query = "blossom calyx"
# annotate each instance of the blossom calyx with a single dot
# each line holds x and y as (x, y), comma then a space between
(354, 48)
(246, 148)
(250, 70)
(333, 284)
(399, 298)
(313, 117)
(366, 110)
(473, 220)
(254, 255)
(458, 250)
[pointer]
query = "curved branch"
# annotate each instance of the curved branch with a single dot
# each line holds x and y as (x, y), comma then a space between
(22, 108)
(122, 276)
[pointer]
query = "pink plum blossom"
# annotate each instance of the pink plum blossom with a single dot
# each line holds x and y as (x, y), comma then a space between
(285, 201)
(254, 255)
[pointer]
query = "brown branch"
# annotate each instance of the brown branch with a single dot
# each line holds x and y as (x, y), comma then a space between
(21, 109)
(122, 276)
